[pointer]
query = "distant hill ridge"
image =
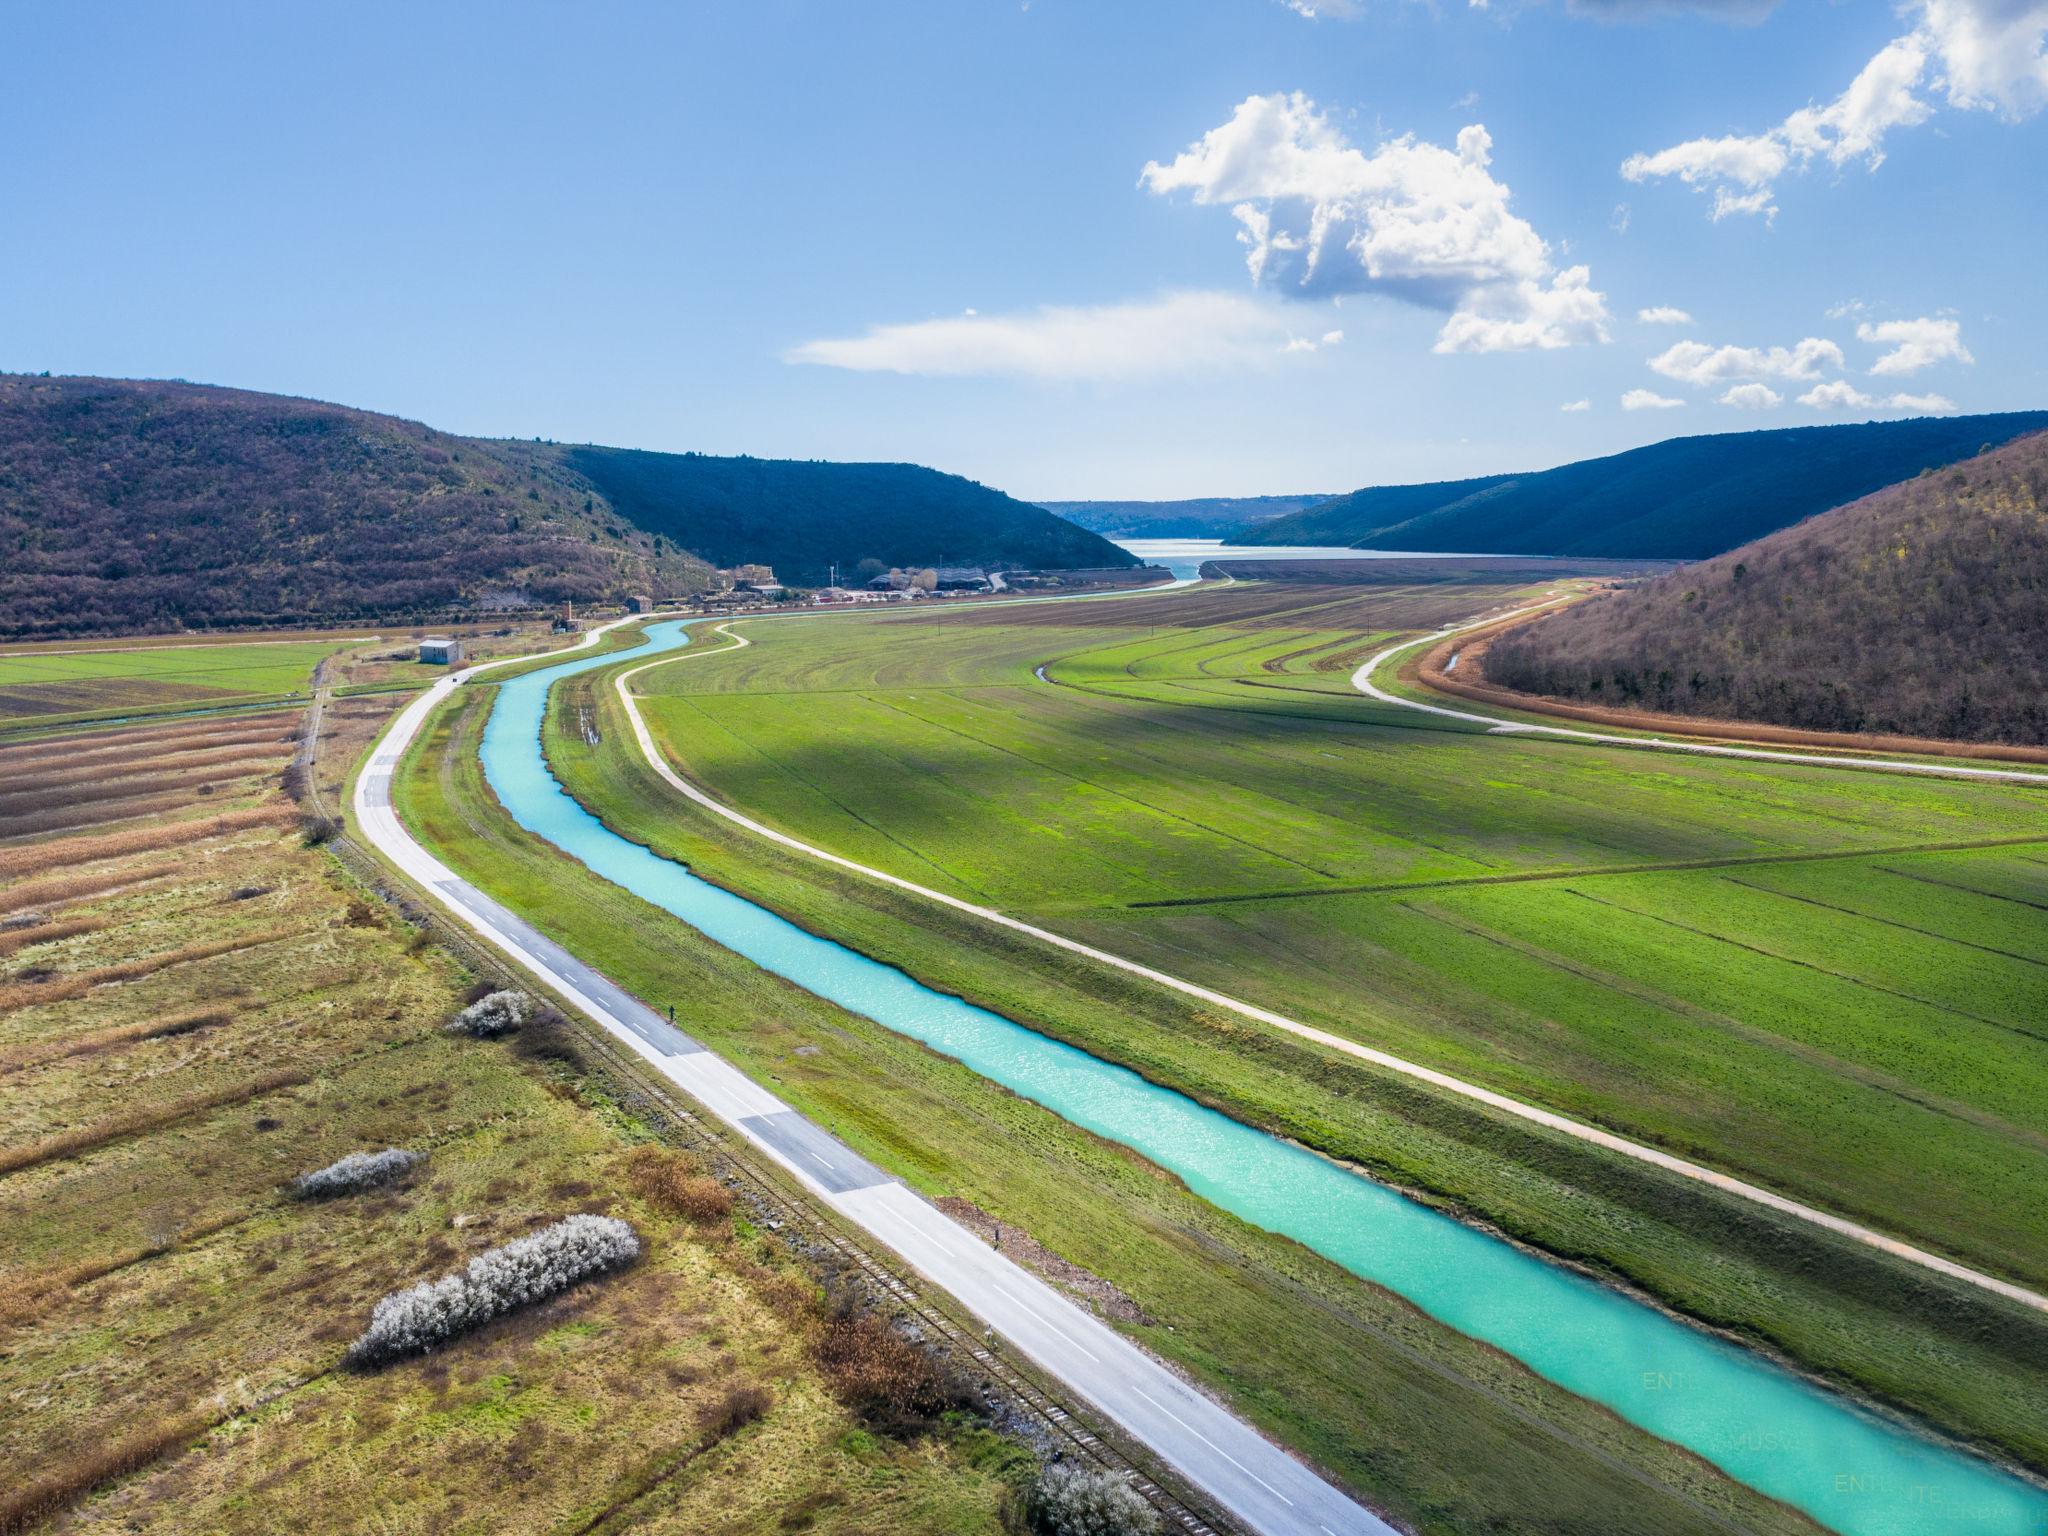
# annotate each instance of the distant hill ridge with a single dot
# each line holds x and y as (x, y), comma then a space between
(1684, 499)
(1921, 610)
(1202, 517)
(131, 505)
(804, 516)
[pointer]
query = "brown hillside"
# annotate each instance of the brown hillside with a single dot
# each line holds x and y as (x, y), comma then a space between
(1921, 610)
(131, 505)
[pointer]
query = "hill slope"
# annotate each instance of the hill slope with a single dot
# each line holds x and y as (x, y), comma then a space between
(802, 516)
(1204, 517)
(1920, 611)
(1684, 499)
(151, 506)
(155, 506)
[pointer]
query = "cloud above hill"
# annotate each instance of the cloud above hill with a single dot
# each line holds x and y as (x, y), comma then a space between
(1429, 225)
(1978, 55)
(1177, 333)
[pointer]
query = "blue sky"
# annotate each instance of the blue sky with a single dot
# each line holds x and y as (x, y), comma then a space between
(762, 228)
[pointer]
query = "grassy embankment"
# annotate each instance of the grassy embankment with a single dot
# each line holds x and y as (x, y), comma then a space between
(1443, 1432)
(1845, 1023)
(208, 1009)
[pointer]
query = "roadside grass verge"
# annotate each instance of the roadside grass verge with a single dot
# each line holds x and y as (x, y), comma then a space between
(1438, 1429)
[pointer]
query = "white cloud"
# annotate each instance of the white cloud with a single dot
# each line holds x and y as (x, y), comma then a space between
(1663, 314)
(1915, 344)
(1576, 405)
(1753, 397)
(1316, 10)
(1176, 334)
(1694, 362)
(1841, 395)
(1648, 400)
(1415, 221)
(1991, 52)
(1986, 55)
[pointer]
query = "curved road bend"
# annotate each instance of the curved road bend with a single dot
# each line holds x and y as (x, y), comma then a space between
(1550, 1120)
(1500, 726)
(1260, 1484)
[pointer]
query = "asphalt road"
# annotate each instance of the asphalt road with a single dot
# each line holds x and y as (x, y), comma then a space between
(1257, 1482)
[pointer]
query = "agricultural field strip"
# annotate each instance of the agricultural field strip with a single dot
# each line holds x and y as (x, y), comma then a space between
(1443, 1080)
(1596, 871)
(1265, 1486)
(196, 645)
(1498, 725)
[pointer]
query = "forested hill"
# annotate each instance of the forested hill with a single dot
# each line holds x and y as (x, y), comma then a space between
(1204, 517)
(129, 505)
(1920, 611)
(1684, 499)
(150, 506)
(803, 516)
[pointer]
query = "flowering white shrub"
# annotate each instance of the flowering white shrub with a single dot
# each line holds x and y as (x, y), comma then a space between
(526, 1270)
(493, 1015)
(1066, 1501)
(359, 1170)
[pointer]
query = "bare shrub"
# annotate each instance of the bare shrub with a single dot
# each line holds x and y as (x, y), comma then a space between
(547, 1036)
(740, 1406)
(1067, 1501)
(356, 1172)
(892, 1382)
(315, 830)
(495, 1014)
(676, 1183)
(529, 1269)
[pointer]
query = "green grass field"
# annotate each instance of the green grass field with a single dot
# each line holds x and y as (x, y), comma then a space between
(1765, 967)
(1446, 1434)
(1827, 1008)
(59, 684)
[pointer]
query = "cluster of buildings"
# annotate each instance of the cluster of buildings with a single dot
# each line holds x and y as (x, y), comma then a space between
(753, 586)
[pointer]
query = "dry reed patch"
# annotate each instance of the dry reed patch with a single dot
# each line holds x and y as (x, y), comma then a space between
(58, 1486)
(58, 891)
(101, 813)
(18, 1057)
(26, 1295)
(223, 762)
(676, 1184)
(28, 994)
(18, 939)
(84, 745)
(152, 1117)
(132, 1122)
(40, 858)
(130, 781)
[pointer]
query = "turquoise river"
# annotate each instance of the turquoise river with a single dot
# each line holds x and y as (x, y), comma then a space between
(1849, 1469)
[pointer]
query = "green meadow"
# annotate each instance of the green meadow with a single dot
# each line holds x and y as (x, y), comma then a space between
(1827, 981)
(59, 684)
(1445, 1434)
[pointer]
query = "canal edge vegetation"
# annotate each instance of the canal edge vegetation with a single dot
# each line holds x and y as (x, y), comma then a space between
(1855, 1319)
(1311, 1387)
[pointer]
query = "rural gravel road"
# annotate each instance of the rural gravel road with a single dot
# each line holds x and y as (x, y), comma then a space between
(1257, 1482)
(1498, 725)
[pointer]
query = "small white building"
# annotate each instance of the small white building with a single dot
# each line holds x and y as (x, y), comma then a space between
(441, 653)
